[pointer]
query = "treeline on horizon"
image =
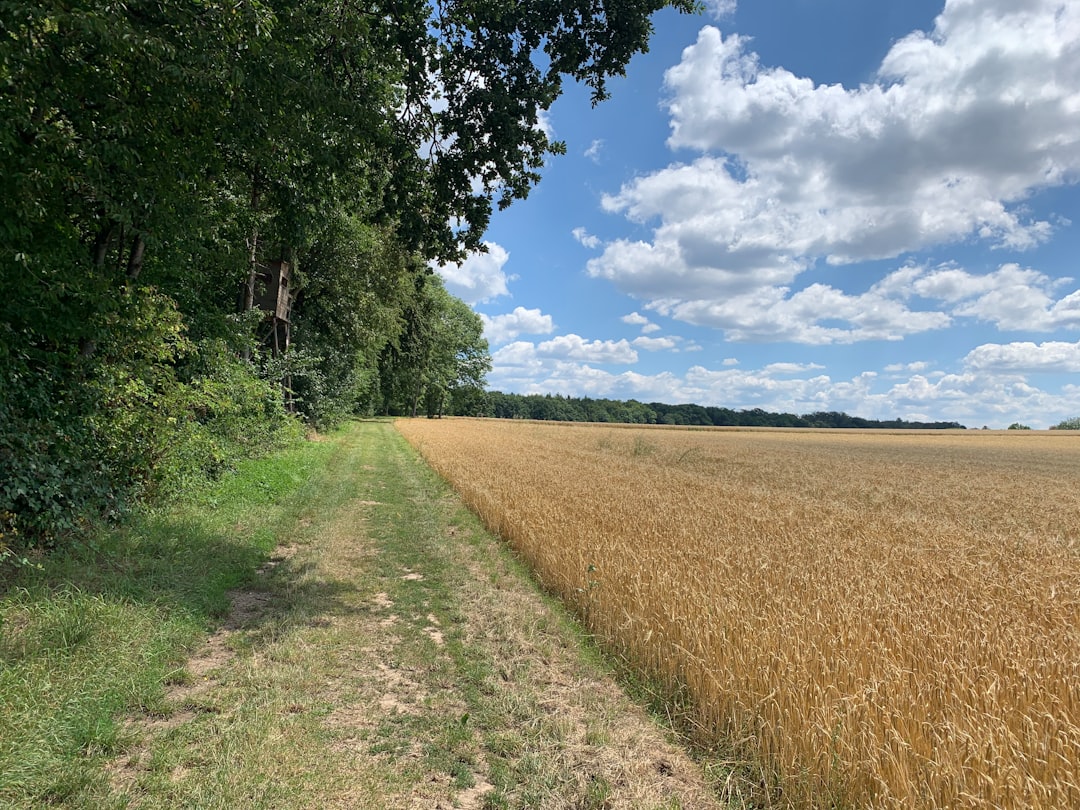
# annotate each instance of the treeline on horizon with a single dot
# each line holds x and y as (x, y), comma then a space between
(558, 408)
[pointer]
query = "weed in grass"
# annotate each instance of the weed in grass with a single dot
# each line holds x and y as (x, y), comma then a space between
(597, 794)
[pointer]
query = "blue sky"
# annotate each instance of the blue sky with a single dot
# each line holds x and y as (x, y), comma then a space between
(806, 205)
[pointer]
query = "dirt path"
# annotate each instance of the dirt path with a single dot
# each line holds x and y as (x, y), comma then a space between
(392, 655)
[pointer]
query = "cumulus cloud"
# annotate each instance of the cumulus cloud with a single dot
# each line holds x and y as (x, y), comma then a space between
(499, 329)
(1011, 297)
(792, 368)
(586, 238)
(988, 391)
(480, 277)
(992, 386)
(961, 125)
(543, 123)
(914, 367)
(1025, 357)
(593, 152)
(655, 344)
(637, 319)
(976, 398)
(818, 314)
(575, 347)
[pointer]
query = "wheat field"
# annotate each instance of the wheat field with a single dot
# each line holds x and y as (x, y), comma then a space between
(874, 619)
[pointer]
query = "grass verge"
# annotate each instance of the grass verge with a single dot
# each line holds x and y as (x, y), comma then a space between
(98, 631)
(329, 629)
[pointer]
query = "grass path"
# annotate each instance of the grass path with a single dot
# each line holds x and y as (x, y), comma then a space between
(391, 654)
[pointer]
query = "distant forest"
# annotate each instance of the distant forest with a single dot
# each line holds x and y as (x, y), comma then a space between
(583, 409)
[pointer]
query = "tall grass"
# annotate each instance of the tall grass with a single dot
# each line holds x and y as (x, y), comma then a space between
(97, 630)
(878, 620)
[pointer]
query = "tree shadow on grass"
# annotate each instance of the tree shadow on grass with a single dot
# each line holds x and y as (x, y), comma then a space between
(99, 633)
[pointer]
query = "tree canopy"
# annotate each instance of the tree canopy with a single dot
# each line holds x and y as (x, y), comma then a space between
(157, 155)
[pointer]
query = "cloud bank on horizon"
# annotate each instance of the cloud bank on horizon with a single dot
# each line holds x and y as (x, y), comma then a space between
(807, 227)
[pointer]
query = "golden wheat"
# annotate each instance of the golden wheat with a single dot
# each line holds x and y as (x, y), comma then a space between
(882, 620)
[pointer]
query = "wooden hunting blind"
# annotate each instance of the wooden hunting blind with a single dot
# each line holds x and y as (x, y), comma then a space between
(273, 295)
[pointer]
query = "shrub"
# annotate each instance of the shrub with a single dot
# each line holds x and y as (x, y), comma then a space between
(82, 438)
(1068, 424)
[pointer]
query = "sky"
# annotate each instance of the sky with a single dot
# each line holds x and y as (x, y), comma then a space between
(807, 205)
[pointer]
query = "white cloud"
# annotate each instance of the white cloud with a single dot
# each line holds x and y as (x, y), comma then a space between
(499, 329)
(791, 368)
(818, 314)
(520, 353)
(1024, 357)
(543, 123)
(637, 319)
(593, 152)
(586, 238)
(1011, 297)
(655, 344)
(914, 367)
(480, 277)
(718, 9)
(575, 347)
(961, 126)
(977, 398)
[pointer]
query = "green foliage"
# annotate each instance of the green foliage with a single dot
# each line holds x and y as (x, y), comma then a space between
(1068, 424)
(440, 355)
(82, 443)
(154, 153)
(357, 281)
(1018, 426)
(95, 631)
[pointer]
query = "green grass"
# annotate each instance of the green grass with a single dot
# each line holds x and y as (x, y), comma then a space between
(95, 633)
(400, 656)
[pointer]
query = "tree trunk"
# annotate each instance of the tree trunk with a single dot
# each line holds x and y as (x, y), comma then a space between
(247, 300)
(101, 244)
(135, 259)
(253, 244)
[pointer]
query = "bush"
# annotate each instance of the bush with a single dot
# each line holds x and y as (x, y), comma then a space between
(150, 414)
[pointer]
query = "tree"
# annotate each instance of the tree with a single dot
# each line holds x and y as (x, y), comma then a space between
(441, 352)
(357, 281)
(154, 153)
(1018, 426)
(1068, 424)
